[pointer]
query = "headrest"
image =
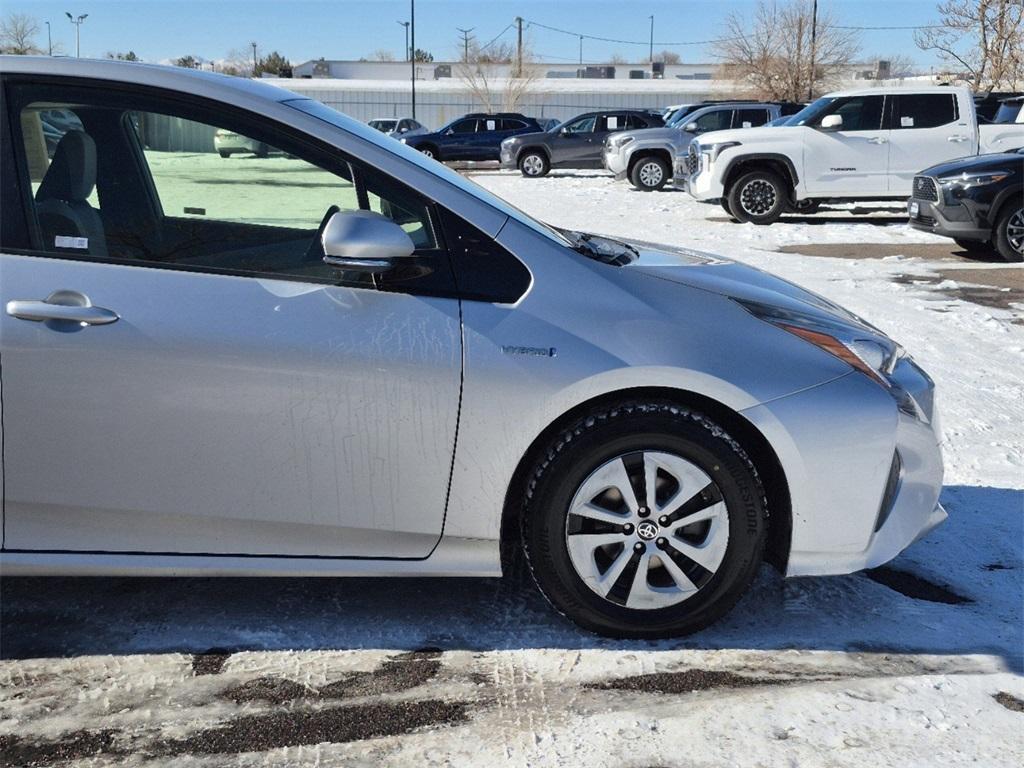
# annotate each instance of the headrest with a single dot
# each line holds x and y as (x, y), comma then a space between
(72, 172)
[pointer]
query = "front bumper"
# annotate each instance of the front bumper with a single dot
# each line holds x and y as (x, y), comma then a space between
(701, 185)
(866, 487)
(956, 221)
(615, 162)
(507, 158)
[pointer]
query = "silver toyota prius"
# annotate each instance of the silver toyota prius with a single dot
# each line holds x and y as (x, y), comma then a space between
(345, 359)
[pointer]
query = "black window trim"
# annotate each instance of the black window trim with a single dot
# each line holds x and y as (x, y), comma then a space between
(320, 148)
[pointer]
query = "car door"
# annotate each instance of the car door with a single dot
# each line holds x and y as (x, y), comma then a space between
(853, 160)
(927, 129)
(457, 141)
(575, 140)
(182, 371)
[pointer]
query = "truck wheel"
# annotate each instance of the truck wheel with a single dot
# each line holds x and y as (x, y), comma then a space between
(760, 197)
(644, 519)
(1009, 232)
(649, 174)
(223, 153)
(534, 164)
(725, 207)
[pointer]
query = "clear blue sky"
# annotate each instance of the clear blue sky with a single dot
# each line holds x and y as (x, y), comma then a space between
(349, 29)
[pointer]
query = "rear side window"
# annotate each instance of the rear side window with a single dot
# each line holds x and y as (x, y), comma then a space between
(611, 123)
(489, 124)
(718, 120)
(633, 122)
(750, 118)
(511, 124)
(925, 110)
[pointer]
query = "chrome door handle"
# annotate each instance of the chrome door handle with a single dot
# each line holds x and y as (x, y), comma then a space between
(957, 139)
(877, 140)
(66, 306)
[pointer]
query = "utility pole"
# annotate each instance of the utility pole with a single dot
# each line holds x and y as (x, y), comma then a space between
(814, 40)
(408, 53)
(255, 64)
(49, 39)
(581, 49)
(465, 42)
(412, 49)
(519, 47)
(651, 55)
(78, 31)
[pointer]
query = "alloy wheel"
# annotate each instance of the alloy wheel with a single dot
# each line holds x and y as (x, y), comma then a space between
(647, 530)
(651, 174)
(758, 197)
(427, 152)
(1015, 231)
(533, 165)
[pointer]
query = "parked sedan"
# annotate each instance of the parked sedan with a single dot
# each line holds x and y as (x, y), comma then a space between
(576, 143)
(228, 143)
(398, 126)
(977, 201)
(473, 137)
(271, 381)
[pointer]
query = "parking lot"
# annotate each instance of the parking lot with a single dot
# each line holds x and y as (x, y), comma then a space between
(914, 664)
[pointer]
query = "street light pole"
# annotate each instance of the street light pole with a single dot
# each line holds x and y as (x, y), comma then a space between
(407, 51)
(412, 50)
(78, 31)
(581, 49)
(814, 40)
(49, 40)
(255, 64)
(651, 56)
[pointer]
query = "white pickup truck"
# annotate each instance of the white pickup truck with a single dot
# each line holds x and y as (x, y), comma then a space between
(852, 145)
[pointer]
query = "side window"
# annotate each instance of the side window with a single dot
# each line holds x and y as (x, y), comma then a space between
(859, 113)
(716, 120)
(750, 118)
(42, 128)
(612, 123)
(464, 126)
(925, 110)
(511, 124)
(583, 125)
(196, 191)
(634, 122)
(489, 124)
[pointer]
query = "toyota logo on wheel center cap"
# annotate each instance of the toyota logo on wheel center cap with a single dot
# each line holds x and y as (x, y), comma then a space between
(647, 530)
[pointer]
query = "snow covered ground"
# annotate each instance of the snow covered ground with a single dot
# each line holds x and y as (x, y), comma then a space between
(842, 671)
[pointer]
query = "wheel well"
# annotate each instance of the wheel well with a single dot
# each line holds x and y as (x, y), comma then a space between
(427, 145)
(780, 523)
(533, 148)
(640, 154)
(778, 167)
(1009, 200)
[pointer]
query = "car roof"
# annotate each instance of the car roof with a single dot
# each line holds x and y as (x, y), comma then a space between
(895, 90)
(209, 84)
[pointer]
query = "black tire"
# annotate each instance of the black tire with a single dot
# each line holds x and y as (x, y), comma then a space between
(223, 153)
(725, 207)
(533, 164)
(760, 197)
(262, 150)
(650, 173)
(1008, 233)
(430, 151)
(625, 429)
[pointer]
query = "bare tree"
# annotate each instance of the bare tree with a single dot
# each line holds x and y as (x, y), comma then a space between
(668, 57)
(492, 82)
(617, 58)
(382, 55)
(772, 53)
(982, 39)
(17, 34)
(238, 63)
(894, 67)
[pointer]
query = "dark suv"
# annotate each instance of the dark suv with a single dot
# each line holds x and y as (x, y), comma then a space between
(576, 143)
(476, 136)
(977, 201)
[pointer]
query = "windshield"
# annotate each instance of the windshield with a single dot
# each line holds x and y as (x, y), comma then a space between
(383, 125)
(333, 117)
(811, 111)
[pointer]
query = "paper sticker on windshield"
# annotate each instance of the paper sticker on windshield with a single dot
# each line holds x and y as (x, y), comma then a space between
(906, 122)
(63, 241)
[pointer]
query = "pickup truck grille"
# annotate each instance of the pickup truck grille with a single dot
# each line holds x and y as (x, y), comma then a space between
(924, 188)
(692, 160)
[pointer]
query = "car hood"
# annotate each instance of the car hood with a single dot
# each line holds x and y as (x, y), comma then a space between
(732, 279)
(979, 163)
(760, 134)
(519, 138)
(650, 134)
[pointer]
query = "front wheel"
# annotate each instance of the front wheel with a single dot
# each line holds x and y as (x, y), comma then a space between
(649, 174)
(644, 519)
(429, 151)
(1008, 234)
(759, 197)
(534, 165)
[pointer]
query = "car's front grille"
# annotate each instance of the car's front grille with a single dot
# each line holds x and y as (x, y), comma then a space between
(692, 160)
(925, 189)
(926, 220)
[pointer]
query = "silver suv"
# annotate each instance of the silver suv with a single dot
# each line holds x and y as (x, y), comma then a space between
(346, 359)
(645, 156)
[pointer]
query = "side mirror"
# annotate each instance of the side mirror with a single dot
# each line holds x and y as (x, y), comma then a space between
(832, 122)
(565, 131)
(690, 127)
(449, 132)
(364, 241)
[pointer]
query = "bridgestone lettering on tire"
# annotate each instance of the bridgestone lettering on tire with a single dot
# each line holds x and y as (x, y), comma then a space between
(645, 519)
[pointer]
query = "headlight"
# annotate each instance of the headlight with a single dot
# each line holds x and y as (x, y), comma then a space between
(618, 142)
(712, 151)
(968, 180)
(869, 352)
